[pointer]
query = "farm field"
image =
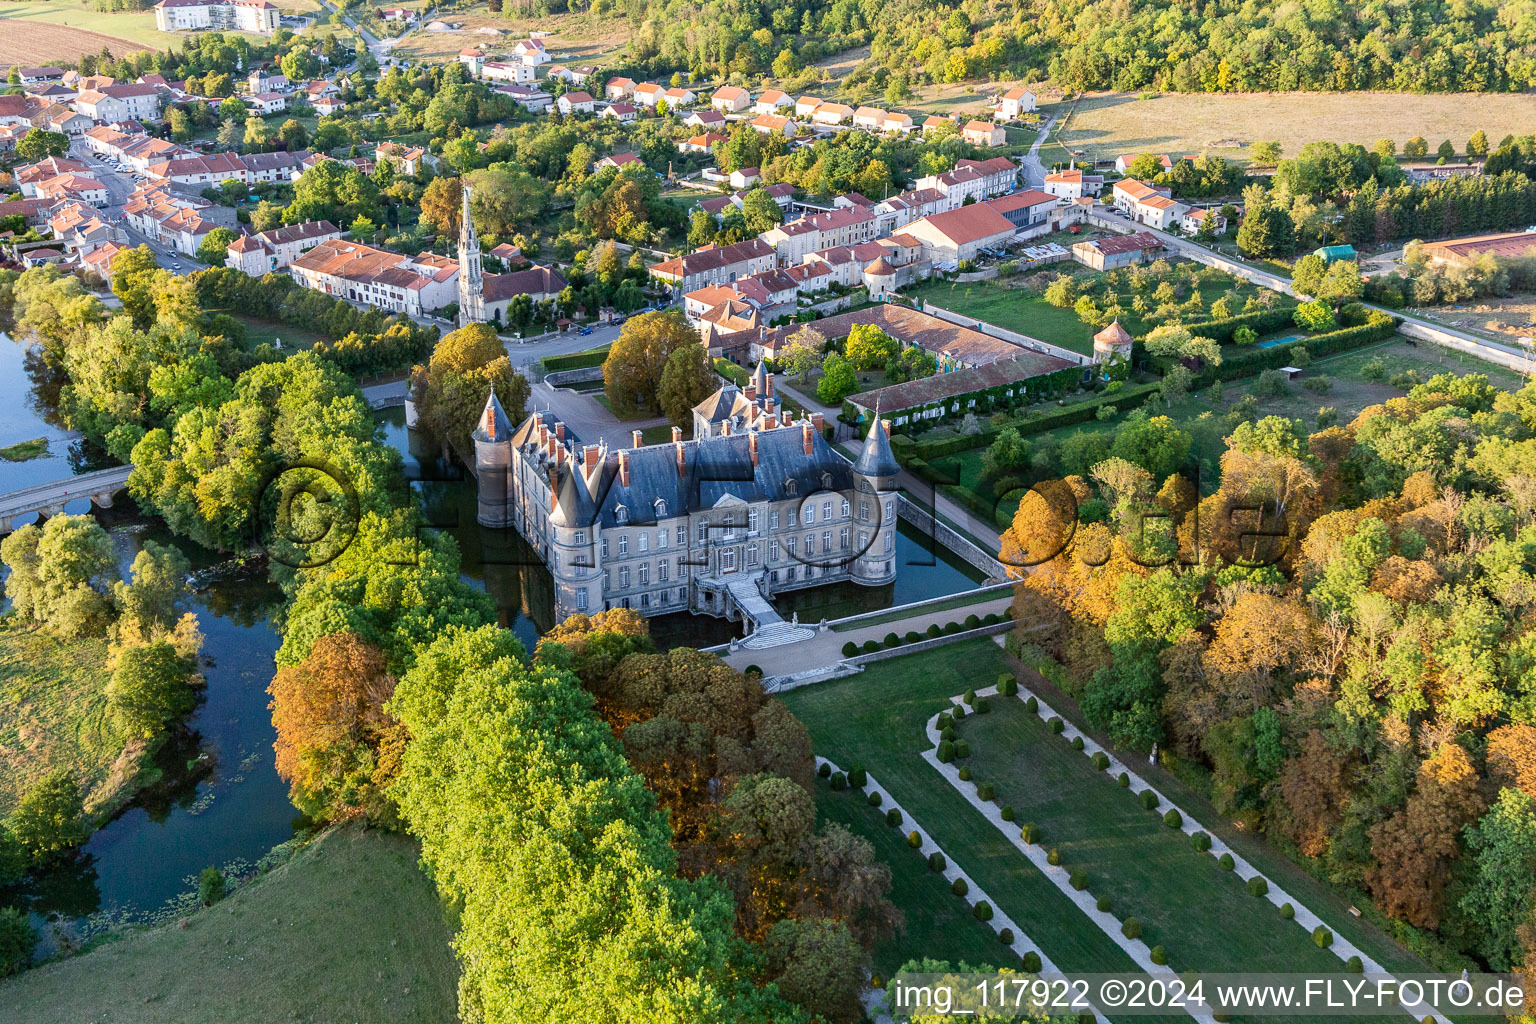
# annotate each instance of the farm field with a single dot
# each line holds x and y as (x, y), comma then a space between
(1107, 125)
(350, 929)
(41, 30)
(1203, 916)
(875, 720)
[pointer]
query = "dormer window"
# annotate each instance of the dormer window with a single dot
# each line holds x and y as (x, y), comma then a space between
(621, 513)
(661, 508)
(826, 481)
(791, 487)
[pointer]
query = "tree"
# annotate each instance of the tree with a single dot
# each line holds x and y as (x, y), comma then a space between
(215, 248)
(1416, 148)
(38, 144)
(1314, 316)
(61, 574)
(804, 353)
(761, 210)
(442, 204)
(1512, 757)
(17, 940)
(687, 379)
(1414, 848)
(1154, 443)
(336, 746)
(818, 965)
(148, 606)
(1477, 146)
(466, 366)
(1447, 151)
(151, 688)
(1145, 167)
(1266, 154)
(632, 372)
(49, 819)
(1499, 899)
(838, 380)
(1307, 273)
(256, 134)
(230, 135)
(293, 136)
(870, 348)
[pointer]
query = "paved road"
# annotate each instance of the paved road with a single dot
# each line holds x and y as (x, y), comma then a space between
(119, 187)
(40, 497)
(1034, 167)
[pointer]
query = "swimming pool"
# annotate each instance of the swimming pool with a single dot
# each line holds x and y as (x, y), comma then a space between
(1271, 343)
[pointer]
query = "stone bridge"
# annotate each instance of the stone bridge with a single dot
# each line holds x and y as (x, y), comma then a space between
(50, 499)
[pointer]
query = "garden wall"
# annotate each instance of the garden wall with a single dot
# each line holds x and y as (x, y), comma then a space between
(994, 331)
(954, 541)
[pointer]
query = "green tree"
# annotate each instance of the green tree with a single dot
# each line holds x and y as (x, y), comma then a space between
(61, 574)
(804, 353)
(38, 144)
(293, 135)
(1477, 145)
(210, 886)
(151, 689)
(838, 380)
(632, 371)
(50, 818)
(148, 606)
(1447, 151)
(17, 940)
(687, 379)
(870, 348)
(1499, 899)
(761, 211)
(1416, 148)
(1316, 315)
(1266, 154)
(256, 134)
(466, 366)
(215, 248)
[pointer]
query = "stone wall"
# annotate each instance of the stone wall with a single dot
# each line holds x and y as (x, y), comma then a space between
(1013, 337)
(945, 535)
(581, 375)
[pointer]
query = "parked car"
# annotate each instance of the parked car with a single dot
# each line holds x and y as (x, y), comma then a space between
(584, 331)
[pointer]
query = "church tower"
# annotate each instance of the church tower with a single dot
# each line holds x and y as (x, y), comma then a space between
(471, 277)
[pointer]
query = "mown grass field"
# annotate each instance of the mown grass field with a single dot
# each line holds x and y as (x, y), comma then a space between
(1203, 916)
(266, 331)
(53, 714)
(349, 930)
(875, 720)
(1107, 125)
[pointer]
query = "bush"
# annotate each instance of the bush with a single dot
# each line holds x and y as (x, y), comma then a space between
(1103, 903)
(1319, 384)
(1007, 812)
(839, 781)
(1007, 685)
(1131, 929)
(892, 640)
(1375, 369)
(1056, 725)
(1030, 833)
(1005, 936)
(1287, 912)
(850, 649)
(1200, 841)
(983, 705)
(1226, 862)
(1149, 799)
(871, 646)
(936, 861)
(951, 628)
(1354, 966)
(1031, 704)
(1258, 886)
(1100, 760)
(1124, 781)
(912, 636)
(985, 791)
(962, 748)
(933, 631)
(893, 817)
(965, 773)
(1322, 937)
(1032, 962)
(755, 670)
(825, 769)
(914, 840)
(858, 778)
(1173, 819)
(959, 887)
(1271, 384)
(982, 910)
(969, 698)
(1078, 879)
(947, 733)
(875, 798)
(1077, 743)
(958, 712)
(210, 886)
(1159, 955)
(1054, 857)
(972, 621)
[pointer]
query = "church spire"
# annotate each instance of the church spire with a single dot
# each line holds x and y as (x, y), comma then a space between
(471, 275)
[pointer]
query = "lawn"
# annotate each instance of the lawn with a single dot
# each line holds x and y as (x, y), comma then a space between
(1203, 916)
(53, 699)
(1025, 311)
(937, 923)
(349, 930)
(1108, 125)
(259, 332)
(875, 720)
(963, 600)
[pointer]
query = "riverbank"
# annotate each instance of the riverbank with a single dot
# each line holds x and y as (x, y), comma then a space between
(287, 946)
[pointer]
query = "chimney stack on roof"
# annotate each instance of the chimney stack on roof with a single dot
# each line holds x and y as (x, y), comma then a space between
(589, 457)
(887, 425)
(624, 468)
(805, 437)
(752, 445)
(750, 391)
(560, 430)
(677, 434)
(818, 421)
(638, 437)
(682, 463)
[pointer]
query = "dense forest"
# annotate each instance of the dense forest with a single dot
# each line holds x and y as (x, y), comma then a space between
(1173, 45)
(1352, 672)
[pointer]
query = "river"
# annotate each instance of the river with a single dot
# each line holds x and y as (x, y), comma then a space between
(225, 804)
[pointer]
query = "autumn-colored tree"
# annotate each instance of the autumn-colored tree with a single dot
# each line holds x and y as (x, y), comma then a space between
(1314, 784)
(442, 204)
(1414, 848)
(466, 366)
(687, 379)
(594, 645)
(1512, 757)
(632, 372)
(1260, 635)
(336, 746)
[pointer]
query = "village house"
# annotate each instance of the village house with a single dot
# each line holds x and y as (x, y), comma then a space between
(984, 133)
(868, 117)
(895, 121)
(1030, 210)
(1505, 245)
(700, 143)
(772, 101)
(832, 113)
(267, 251)
(745, 177)
(731, 99)
(961, 234)
(1123, 161)
(473, 58)
(65, 121)
(539, 283)
(1014, 102)
(166, 214)
(41, 75)
(806, 106)
(98, 260)
(535, 101)
(623, 113)
(934, 122)
(513, 71)
(1195, 219)
(793, 241)
(1072, 183)
(713, 264)
(374, 277)
(1147, 205)
(326, 105)
(120, 103)
(264, 103)
(1114, 251)
(679, 98)
(619, 161)
(973, 179)
(531, 51)
(407, 160)
(619, 88)
(261, 80)
(782, 193)
(648, 94)
(767, 124)
(404, 14)
(574, 103)
(895, 212)
(13, 110)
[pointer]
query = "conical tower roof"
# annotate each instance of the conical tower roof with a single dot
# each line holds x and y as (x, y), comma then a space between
(760, 379)
(1114, 334)
(493, 425)
(877, 459)
(575, 506)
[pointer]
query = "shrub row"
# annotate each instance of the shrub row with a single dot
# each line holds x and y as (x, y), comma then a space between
(933, 632)
(1248, 362)
(1079, 412)
(1262, 321)
(573, 361)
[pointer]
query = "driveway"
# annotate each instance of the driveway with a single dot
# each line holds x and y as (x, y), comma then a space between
(1034, 168)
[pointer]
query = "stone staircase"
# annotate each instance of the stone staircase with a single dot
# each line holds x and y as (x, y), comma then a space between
(769, 628)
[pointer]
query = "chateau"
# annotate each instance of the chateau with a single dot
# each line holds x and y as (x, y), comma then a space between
(756, 504)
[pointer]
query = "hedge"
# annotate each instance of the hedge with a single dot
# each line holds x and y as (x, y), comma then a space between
(1131, 929)
(1032, 962)
(1149, 799)
(1258, 886)
(986, 791)
(983, 911)
(1248, 362)
(1077, 743)
(1159, 955)
(1103, 903)
(574, 361)
(839, 781)
(1005, 936)
(1173, 819)
(1262, 321)
(1066, 416)
(1056, 725)
(960, 887)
